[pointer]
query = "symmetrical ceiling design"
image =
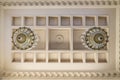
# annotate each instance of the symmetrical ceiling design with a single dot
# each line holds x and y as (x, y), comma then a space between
(14, 4)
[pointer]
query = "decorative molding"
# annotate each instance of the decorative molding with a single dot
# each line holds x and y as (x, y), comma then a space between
(58, 74)
(58, 2)
(119, 38)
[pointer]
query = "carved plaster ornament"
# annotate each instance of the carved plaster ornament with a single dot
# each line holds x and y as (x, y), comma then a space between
(24, 38)
(95, 38)
(59, 39)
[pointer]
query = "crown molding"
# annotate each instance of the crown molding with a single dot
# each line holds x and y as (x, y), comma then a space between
(59, 2)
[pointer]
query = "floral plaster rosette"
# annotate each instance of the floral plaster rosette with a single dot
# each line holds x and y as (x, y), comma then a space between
(95, 38)
(24, 38)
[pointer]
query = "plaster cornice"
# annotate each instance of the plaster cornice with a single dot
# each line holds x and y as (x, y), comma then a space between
(67, 74)
(58, 2)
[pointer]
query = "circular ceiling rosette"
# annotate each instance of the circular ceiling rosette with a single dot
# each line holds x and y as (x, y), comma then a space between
(23, 38)
(59, 39)
(95, 38)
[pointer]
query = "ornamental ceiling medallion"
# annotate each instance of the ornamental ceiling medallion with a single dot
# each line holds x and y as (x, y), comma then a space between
(95, 38)
(24, 38)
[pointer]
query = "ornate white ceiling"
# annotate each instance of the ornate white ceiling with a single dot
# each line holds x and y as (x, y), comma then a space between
(60, 74)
